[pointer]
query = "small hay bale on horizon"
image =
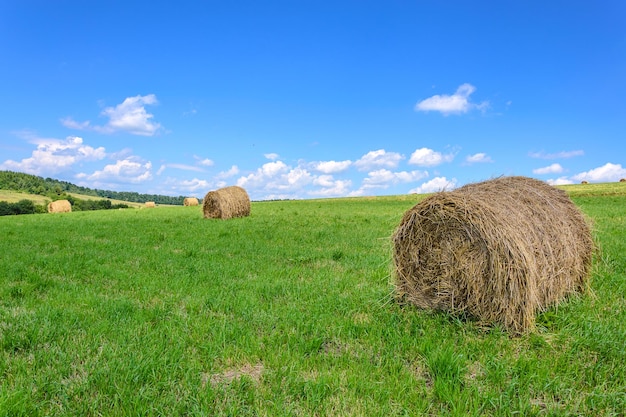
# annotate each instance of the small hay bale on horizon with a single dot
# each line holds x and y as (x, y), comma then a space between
(226, 203)
(60, 206)
(499, 251)
(150, 204)
(622, 180)
(190, 201)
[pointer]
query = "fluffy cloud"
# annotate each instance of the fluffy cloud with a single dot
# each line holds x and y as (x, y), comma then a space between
(54, 155)
(379, 158)
(435, 185)
(606, 173)
(384, 177)
(427, 157)
(332, 167)
(130, 116)
(550, 169)
(478, 158)
(130, 170)
(456, 103)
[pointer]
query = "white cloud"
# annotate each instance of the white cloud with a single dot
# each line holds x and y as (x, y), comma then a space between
(606, 173)
(478, 158)
(271, 156)
(330, 186)
(332, 167)
(550, 169)
(54, 155)
(379, 158)
(203, 161)
(560, 181)
(234, 170)
(194, 186)
(427, 157)
(129, 116)
(384, 178)
(556, 155)
(435, 185)
(130, 170)
(449, 104)
(262, 175)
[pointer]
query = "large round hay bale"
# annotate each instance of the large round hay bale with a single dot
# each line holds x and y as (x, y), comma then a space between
(226, 203)
(150, 204)
(190, 201)
(59, 206)
(500, 251)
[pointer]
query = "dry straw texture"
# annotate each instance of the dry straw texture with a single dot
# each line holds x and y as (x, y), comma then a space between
(150, 204)
(500, 251)
(226, 203)
(190, 201)
(60, 206)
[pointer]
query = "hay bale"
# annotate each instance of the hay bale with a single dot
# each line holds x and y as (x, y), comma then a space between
(190, 201)
(60, 206)
(226, 203)
(584, 182)
(150, 204)
(499, 251)
(622, 180)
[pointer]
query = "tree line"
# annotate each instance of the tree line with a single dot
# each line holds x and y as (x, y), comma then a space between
(52, 188)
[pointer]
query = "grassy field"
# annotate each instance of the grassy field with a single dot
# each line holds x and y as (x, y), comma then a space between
(288, 312)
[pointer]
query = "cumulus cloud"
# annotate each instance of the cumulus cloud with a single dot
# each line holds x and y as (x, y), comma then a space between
(478, 158)
(330, 187)
(560, 181)
(203, 161)
(379, 158)
(195, 185)
(606, 173)
(556, 155)
(332, 167)
(271, 156)
(385, 178)
(435, 185)
(427, 157)
(130, 116)
(54, 155)
(267, 172)
(131, 170)
(234, 170)
(550, 169)
(457, 103)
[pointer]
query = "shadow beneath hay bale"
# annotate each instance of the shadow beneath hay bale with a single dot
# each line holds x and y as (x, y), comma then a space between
(499, 251)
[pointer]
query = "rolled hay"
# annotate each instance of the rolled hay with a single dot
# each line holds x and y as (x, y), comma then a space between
(150, 204)
(499, 251)
(226, 203)
(59, 206)
(622, 180)
(190, 201)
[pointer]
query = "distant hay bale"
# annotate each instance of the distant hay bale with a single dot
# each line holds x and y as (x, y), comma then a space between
(584, 182)
(226, 203)
(150, 204)
(190, 201)
(499, 251)
(622, 180)
(59, 206)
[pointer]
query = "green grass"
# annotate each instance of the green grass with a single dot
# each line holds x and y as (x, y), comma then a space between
(288, 312)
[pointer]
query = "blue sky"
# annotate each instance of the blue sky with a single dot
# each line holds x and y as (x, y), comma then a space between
(309, 99)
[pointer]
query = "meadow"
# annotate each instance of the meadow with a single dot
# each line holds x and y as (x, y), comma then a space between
(288, 312)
